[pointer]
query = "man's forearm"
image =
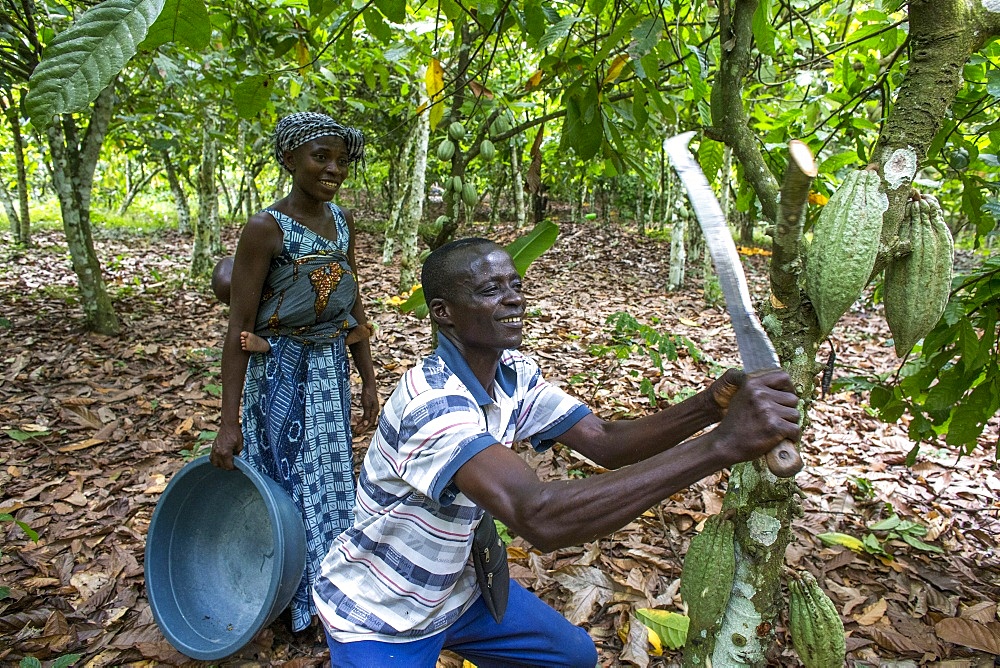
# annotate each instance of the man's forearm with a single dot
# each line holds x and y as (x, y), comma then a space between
(567, 513)
(631, 441)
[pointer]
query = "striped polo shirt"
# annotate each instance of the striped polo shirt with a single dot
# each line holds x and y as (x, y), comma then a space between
(402, 571)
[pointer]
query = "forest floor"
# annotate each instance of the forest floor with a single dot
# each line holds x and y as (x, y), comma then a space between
(93, 427)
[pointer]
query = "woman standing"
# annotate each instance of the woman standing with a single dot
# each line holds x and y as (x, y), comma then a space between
(294, 283)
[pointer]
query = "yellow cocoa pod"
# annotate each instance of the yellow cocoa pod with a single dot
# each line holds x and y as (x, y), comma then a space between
(815, 625)
(917, 285)
(845, 242)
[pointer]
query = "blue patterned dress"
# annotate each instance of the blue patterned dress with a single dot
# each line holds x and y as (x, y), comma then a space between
(297, 397)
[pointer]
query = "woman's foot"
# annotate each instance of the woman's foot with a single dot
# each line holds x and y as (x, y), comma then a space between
(252, 343)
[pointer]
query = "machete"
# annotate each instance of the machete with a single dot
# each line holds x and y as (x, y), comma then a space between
(756, 351)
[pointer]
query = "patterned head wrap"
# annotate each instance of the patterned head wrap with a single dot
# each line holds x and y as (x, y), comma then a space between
(295, 130)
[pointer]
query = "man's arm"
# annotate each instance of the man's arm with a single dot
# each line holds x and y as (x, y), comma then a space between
(557, 514)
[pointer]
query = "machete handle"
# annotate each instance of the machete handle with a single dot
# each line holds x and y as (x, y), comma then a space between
(784, 461)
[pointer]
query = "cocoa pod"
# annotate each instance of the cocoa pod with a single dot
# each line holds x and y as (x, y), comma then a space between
(844, 246)
(916, 287)
(814, 623)
(707, 576)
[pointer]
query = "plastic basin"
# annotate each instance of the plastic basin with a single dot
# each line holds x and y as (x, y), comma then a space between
(224, 556)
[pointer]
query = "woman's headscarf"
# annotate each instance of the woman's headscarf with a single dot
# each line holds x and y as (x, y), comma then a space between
(296, 129)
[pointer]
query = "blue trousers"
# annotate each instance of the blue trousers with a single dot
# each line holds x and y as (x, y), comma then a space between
(531, 634)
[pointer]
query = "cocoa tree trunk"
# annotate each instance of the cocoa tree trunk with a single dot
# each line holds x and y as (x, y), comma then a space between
(21, 220)
(206, 234)
(73, 163)
(177, 191)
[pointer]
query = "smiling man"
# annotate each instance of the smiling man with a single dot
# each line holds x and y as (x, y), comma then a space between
(399, 585)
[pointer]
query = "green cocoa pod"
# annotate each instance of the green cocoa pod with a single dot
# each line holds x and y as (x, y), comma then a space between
(487, 150)
(845, 243)
(815, 625)
(456, 131)
(917, 285)
(707, 577)
(440, 222)
(446, 149)
(469, 194)
(456, 184)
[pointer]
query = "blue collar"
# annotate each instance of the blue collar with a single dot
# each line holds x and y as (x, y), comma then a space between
(506, 376)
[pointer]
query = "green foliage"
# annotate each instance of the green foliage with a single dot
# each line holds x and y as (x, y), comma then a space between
(201, 446)
(892, 528)
(630, 336)
(82, 60)
(64, 661)
(952, 387)
(523, 251)
(671, 627)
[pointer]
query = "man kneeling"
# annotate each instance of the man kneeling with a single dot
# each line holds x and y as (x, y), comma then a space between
(399, 585)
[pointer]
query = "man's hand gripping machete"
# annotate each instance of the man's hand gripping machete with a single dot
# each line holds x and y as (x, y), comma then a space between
(756, 351)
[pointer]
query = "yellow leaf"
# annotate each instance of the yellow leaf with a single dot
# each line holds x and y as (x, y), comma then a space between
(688, 322)
(534, 80)
(843, 540)
(668, 627)
(302, 53)
(82, 445)
(435, 85)
(818, 198)
(616, 68)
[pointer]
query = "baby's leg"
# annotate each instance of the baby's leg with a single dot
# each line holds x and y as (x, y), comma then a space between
(253, 343)
(359, 333)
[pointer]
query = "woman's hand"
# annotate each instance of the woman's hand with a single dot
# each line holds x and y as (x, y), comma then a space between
(228, 443)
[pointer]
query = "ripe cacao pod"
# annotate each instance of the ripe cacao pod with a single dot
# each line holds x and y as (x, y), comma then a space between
(456, 131)
(707, 576)
(845, 243)
(917, 285)
(446, 149)
(814, 623)
(487, 150)
(469, 194)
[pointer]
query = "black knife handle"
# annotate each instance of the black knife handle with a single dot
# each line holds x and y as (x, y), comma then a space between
(784, 461)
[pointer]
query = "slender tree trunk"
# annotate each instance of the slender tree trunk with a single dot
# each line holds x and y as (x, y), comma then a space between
(206, 234)
(136, 188)
(413, 212)
(398, 193)
(10, 209)
(73, 164)
(177, 191)
(20, 221)
(517, 183)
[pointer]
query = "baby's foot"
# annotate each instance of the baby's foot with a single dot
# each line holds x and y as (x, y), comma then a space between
(359, 333)
(252, 343)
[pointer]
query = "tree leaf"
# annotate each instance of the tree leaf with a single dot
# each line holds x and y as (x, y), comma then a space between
(252, 94)
(526, 249)
(671, 627)
(434, 78)
(184, 21)
(82, 60)
(843, 540)
(968, 633)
